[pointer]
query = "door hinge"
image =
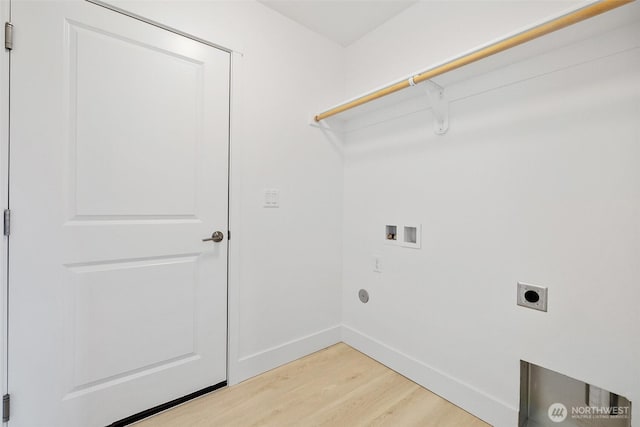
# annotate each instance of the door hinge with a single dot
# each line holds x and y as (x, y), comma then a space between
(6, 407)
(228, 234)
(7, 222)
(8, 35)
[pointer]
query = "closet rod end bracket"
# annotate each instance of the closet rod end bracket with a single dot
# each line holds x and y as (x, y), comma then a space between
(440, 107)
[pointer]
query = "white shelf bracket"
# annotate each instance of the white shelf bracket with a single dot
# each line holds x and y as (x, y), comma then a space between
(439, 106)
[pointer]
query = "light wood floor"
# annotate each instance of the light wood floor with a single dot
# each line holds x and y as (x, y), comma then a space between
(337, 386)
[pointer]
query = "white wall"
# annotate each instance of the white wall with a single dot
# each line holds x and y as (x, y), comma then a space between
(432, 31)
(537, 181)
(285, 271)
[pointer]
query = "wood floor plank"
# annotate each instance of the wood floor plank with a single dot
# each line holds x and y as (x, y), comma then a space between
(337, 386)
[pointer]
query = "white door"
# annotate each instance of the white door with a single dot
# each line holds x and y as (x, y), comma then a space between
(119, 159)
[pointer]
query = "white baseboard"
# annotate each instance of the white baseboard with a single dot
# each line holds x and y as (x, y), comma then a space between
(255, 364)
(467, 397)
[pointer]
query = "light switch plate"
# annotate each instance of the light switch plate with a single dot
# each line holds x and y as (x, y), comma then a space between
(271, 198)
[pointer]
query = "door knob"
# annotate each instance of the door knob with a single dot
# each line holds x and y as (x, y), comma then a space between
(217, 236)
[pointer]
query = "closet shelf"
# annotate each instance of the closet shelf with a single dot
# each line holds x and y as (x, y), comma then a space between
(435, 92)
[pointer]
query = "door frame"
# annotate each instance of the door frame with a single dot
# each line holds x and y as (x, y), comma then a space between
(233, 182)
(5, 63)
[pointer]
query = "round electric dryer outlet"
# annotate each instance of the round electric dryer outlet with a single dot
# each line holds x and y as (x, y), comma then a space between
(532, 296)
(363, 295)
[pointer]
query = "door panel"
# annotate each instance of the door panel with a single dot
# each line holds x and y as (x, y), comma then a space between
(106, 185)
(107, 298)
(119, 161)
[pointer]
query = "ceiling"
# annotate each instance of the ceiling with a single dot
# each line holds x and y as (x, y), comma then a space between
(343, 21)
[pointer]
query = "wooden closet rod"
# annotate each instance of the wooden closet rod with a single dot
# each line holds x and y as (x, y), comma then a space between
(500, 46)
